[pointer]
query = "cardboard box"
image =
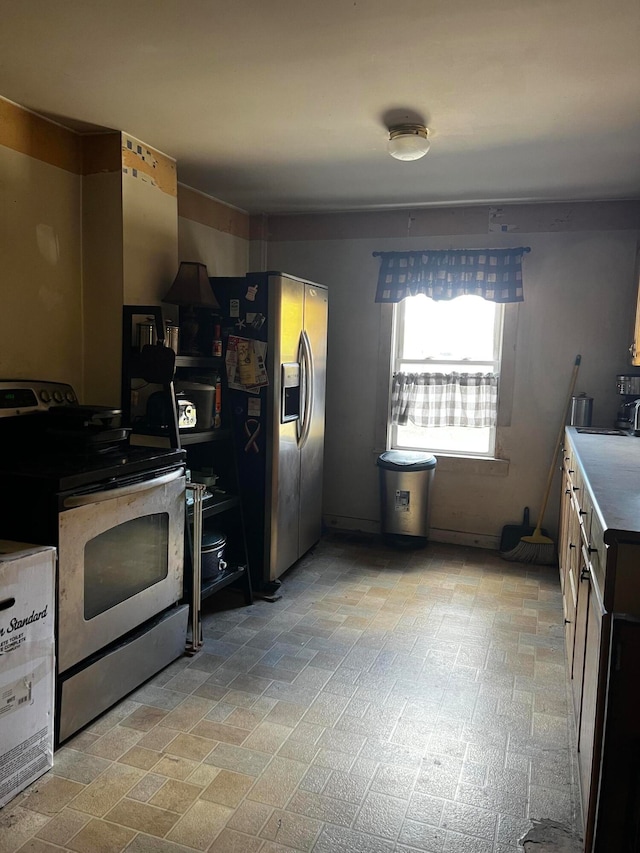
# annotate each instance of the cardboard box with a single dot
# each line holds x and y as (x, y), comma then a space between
(27, 657)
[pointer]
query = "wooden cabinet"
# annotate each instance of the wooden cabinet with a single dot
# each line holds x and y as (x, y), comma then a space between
(210, 457)
(569, 555)
(599, 561)
(592, 621)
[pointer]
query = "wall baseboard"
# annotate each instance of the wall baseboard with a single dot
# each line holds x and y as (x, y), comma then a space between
(449, 537)
(461, 537)
(355, 525)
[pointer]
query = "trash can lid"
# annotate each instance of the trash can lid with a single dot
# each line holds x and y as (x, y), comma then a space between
(406, 460)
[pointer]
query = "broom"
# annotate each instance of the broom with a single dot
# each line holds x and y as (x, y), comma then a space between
(538, 548)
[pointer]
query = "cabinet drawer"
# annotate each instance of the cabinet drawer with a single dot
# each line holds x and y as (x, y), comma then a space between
(598, 552)
(585, 514)
(568, 459)
(580, 500)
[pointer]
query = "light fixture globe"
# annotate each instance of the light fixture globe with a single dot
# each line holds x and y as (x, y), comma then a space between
(408, 141)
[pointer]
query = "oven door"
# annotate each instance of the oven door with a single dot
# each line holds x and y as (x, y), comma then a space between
(120, 561)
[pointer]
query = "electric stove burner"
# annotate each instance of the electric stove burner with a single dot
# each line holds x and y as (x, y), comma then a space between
(90, 439)
(50, 437)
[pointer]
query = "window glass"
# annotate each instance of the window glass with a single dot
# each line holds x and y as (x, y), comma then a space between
(125, 560)
(460, 329)
(462, 335)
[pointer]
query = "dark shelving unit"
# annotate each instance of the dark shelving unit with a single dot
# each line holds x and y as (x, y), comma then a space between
(210, 449)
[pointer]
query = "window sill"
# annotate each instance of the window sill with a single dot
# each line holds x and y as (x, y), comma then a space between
(484, 466)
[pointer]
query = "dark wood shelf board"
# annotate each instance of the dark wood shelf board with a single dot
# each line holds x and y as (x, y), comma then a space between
(201, 361)
(155, 439)
(187, 438)
(212, 508)
(209, 587)
(198, 361)
(220, 506)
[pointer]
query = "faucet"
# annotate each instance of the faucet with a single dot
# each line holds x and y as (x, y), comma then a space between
(636, 418)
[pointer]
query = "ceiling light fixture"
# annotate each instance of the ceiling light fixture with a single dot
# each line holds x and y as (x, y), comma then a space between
(408, 141)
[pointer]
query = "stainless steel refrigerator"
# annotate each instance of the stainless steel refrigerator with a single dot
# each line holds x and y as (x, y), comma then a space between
(274, 329)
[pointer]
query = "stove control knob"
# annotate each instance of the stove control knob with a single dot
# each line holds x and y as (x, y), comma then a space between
(45, 396)
(57, 396)
(69, 396)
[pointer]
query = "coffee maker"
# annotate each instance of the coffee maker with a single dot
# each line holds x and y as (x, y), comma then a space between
(628, 387)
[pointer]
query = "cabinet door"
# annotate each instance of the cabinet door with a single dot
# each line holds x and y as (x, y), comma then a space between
(563, 539)
(580, 638)
(570, 597)
(587, 729)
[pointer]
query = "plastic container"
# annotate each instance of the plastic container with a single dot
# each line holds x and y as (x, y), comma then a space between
(405, 484)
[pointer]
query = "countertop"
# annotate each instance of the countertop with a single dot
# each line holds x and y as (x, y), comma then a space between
(611, 466)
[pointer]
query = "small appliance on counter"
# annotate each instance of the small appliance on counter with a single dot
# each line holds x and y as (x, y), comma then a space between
(159, 412)
(628, 387)
(204, 401)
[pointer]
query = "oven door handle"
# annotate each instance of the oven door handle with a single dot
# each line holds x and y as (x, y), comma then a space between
(123, 492)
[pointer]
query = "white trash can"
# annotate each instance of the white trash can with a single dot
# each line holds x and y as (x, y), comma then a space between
(405, 483)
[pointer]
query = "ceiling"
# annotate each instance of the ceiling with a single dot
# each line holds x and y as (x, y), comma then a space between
(283, 105)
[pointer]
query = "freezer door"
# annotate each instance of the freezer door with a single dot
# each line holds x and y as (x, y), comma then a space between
(286, 307)
(314, 371)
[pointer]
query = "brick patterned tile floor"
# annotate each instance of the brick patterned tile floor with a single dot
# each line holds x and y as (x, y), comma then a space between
(408, 701)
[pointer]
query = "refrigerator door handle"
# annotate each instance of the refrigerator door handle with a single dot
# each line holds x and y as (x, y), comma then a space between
(306, 362)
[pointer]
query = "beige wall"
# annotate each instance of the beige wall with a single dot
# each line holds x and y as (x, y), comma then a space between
(102, 275)
(223, 254)
(149, 223)
(130, 247)
(212, 233)
(579, 298)
(88, 224)
(40, 251)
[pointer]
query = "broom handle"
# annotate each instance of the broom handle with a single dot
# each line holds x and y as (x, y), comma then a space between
(552, 469)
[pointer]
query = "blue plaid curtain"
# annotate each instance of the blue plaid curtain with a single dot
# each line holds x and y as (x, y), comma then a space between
(444, 399)
(494, 274)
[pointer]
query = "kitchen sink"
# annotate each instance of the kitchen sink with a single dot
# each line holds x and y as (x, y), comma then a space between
(603, 431)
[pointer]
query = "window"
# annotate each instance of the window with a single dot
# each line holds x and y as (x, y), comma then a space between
(462, 336)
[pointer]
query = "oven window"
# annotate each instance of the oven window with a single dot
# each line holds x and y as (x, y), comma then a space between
(125, 560)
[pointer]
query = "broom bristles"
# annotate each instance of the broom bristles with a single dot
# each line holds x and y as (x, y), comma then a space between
(533, 549)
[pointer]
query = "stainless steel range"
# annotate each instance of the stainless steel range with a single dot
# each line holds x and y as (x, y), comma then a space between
(116, 515)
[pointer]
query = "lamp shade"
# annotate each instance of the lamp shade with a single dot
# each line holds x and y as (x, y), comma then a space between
(191, 287)
(408, 141)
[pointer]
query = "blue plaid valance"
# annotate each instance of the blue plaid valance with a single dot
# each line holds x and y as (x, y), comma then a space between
(494, 274)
